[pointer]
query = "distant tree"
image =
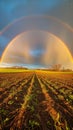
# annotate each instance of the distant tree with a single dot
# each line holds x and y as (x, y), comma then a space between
(57, 67)
(68, 70)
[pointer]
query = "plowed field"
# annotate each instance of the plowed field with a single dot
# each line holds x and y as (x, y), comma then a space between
(36, 100)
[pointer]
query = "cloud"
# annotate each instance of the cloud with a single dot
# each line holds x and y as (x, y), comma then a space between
(11, 10)
(63, 12)
(41, 49)
(15, 9)
(3, 42)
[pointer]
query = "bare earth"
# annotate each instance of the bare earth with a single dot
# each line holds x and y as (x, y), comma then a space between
(36, 100)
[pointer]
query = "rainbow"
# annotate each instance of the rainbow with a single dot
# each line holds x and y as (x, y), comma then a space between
(44, 17)
(57, 38)
(65, 25)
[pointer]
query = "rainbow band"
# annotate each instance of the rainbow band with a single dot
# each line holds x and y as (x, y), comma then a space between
(60, 41)
(18, 21)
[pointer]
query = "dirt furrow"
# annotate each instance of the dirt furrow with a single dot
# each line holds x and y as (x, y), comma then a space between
(17, 121)
(50, 107)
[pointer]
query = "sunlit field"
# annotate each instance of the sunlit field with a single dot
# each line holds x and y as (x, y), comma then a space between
(14, 70)
(36, 65)
(11, 70)
(36, 100)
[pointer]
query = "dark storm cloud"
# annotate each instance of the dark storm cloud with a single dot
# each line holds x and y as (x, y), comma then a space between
(63, 12)
(10, 10)
(3, 42)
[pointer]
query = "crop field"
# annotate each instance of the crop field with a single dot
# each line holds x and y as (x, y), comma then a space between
(36, 100)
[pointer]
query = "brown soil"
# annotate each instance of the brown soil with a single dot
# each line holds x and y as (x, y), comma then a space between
(36, 101)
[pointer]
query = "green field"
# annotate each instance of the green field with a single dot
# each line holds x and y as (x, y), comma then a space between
(9, 70)
(14, 70)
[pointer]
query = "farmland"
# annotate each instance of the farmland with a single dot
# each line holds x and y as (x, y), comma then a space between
(36, 100)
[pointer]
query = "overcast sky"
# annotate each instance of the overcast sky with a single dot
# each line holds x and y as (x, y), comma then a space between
(13, 9)
(10, 10)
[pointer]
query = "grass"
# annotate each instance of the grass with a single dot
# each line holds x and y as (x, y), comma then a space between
(9, 70)
(15, 70)
(33, 124)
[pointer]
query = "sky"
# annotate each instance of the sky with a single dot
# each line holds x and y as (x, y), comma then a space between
(11, 10)
(38, 48)
(16, 9)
